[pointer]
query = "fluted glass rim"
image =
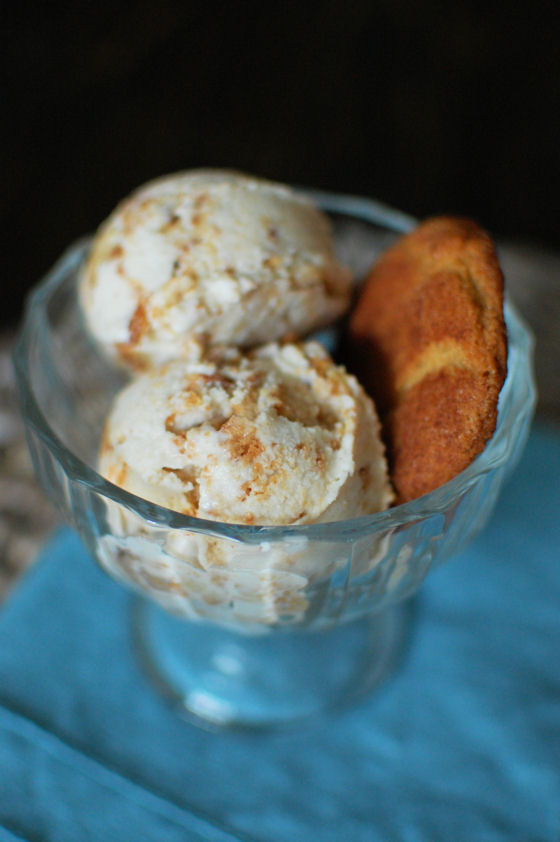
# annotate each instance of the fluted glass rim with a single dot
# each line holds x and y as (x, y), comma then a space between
(518, 406)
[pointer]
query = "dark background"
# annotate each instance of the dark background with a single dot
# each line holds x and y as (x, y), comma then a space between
(430, 107)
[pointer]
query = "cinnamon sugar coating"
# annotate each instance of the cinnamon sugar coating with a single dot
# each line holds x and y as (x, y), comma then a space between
(429, 343)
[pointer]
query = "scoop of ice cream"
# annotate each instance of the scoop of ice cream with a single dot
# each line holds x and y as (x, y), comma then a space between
(280, 435)
(206, 258)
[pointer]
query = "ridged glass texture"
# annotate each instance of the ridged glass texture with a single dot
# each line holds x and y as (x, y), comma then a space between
(312, 576)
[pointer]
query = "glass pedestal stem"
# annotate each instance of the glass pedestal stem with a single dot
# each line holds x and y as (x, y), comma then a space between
(221, 678)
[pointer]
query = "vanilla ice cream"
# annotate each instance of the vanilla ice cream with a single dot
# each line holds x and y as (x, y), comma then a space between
(278, 435)
(206, 258)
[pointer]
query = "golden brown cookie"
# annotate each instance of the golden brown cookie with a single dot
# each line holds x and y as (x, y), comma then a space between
(428, 341)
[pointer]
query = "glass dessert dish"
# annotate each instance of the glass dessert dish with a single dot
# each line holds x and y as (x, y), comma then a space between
(251, 626)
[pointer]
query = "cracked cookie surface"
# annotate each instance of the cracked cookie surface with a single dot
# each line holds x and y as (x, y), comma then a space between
(429, 343)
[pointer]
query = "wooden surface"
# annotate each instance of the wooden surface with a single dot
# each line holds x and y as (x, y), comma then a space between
(26, 516)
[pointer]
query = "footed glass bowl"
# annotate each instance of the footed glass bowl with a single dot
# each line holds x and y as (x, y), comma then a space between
(251, 626)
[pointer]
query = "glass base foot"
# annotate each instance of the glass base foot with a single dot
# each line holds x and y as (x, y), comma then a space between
(219, 678)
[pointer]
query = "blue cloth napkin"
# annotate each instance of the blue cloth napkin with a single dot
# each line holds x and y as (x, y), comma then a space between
(462, 743)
